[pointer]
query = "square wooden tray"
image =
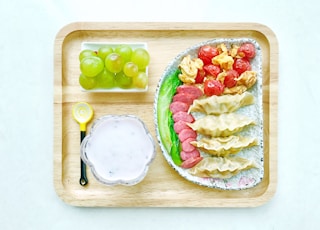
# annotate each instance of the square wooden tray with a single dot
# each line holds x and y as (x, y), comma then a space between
(162, 187)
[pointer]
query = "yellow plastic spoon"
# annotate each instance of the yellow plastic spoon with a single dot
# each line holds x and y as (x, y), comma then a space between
(82, 112)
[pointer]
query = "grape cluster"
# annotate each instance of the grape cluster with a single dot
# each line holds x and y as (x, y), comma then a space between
(110, 67)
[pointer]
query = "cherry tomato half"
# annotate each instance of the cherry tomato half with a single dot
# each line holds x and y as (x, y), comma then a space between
(241, 65)
(229, 80)
(213, 87)
(206, 53)
(212, 70)
(247, 50)
(200, 76)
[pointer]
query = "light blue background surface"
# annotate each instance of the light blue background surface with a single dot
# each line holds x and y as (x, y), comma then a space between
(28, 199)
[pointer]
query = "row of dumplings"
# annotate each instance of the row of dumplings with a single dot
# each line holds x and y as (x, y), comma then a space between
(218, 135)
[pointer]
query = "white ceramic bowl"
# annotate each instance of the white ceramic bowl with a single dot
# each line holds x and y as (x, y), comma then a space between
(118, 150)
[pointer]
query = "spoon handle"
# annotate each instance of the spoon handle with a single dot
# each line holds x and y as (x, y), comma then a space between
(83, 177)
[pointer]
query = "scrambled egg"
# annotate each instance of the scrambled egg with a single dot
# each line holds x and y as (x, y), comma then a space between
(224, 60)
(245, 81)
(189, 69)
(221, 76)
(234, 51)
(248, 78)
(238, 89)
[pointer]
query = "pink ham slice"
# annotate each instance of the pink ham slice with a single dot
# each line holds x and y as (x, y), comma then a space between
(190, 90)
(181, 102)
(183, 116)
(186, 146)
(185, 98)
(179, 126)
(192, 161)
(187, 133)
(178, 106)
(186, 155)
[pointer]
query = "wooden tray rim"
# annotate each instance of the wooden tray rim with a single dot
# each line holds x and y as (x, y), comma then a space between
(273, 104)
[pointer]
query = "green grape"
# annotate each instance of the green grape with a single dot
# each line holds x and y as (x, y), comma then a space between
(86, 53)
(104, 51)
(105, 79)
(87, 82)
(114, 63)
(125, 51)
(91, 66)
(130, 69)
(141, 57)
(141, 80)
(123, 81)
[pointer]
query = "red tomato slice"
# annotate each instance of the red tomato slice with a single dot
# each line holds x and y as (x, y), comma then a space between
(212, 70)
(241, 65)
(213, 87)
(229, 80)
(247, 50)
(200, 76)
(206, 53)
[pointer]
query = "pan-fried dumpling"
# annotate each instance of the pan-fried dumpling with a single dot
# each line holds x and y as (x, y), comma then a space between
(221, 167)
(221, 126)
(221, 104)
(223, 146)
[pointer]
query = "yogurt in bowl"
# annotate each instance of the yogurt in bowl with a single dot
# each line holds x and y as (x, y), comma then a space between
(118, 150)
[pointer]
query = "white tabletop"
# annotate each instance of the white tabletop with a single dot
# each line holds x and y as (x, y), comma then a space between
(28, 199)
